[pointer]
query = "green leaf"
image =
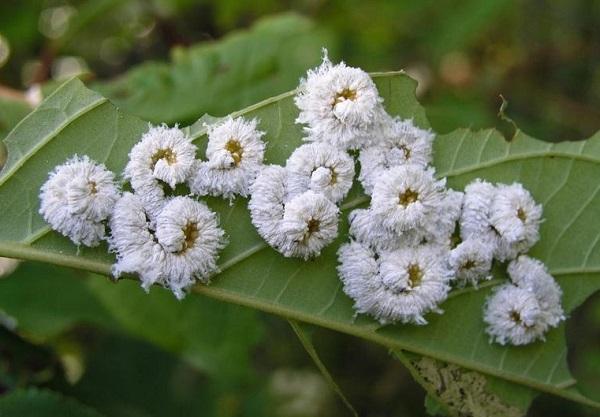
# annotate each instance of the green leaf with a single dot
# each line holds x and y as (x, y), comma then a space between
(562, 176)
(42, 403)
(214, 78)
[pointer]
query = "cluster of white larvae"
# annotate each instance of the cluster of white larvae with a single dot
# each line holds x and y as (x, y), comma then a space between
(406, 249)
(172, 241)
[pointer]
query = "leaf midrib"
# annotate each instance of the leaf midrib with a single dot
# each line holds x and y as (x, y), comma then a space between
(18, 250)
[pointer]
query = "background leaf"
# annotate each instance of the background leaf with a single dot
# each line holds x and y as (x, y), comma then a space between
(558, 175)
(304, 334)
(214, 337)
(214, 78)
(42, 403)
(42, 302)
(125, 377)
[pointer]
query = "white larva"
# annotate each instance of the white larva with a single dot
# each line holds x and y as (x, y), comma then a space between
(235, 154)
(183, 249)
(532, 274)
(402, 143)
(475, 216)
(296, 227)
(367, 228)
(134, 243)
(77, 198)
(267, 204)
(190, 234)
(513, 316)
(440, 231)
(471, 261)
(398, 286)
(163, 155)
(516, 217)
(321, 168)
(505, 215)
(339, 105)
(310, 223)
(407, 197)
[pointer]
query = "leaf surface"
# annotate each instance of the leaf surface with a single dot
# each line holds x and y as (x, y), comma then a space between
(562, 176)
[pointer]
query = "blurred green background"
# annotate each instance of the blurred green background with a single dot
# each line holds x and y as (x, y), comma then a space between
(115, 351)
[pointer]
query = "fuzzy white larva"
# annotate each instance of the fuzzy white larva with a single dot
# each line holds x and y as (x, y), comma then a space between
(310, 222)
(475, 216)
(398, 286)
(532, 274)
(366, 228)
(513, 316)
(441, 229)
(321, 168)
(267, 204)
(77, 198)
(131, 239)
(340, 105)
(471, 261)
(402, 143)
(407, 197)
(235, 154)
(163, 155)
(516, 217)
(183, 248)
(504, 214)
(190, 234)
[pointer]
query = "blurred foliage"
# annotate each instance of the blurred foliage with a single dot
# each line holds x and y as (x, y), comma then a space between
(47, 301)
(215, 78)
(12, 110)
(35, 403)
(128, 354)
